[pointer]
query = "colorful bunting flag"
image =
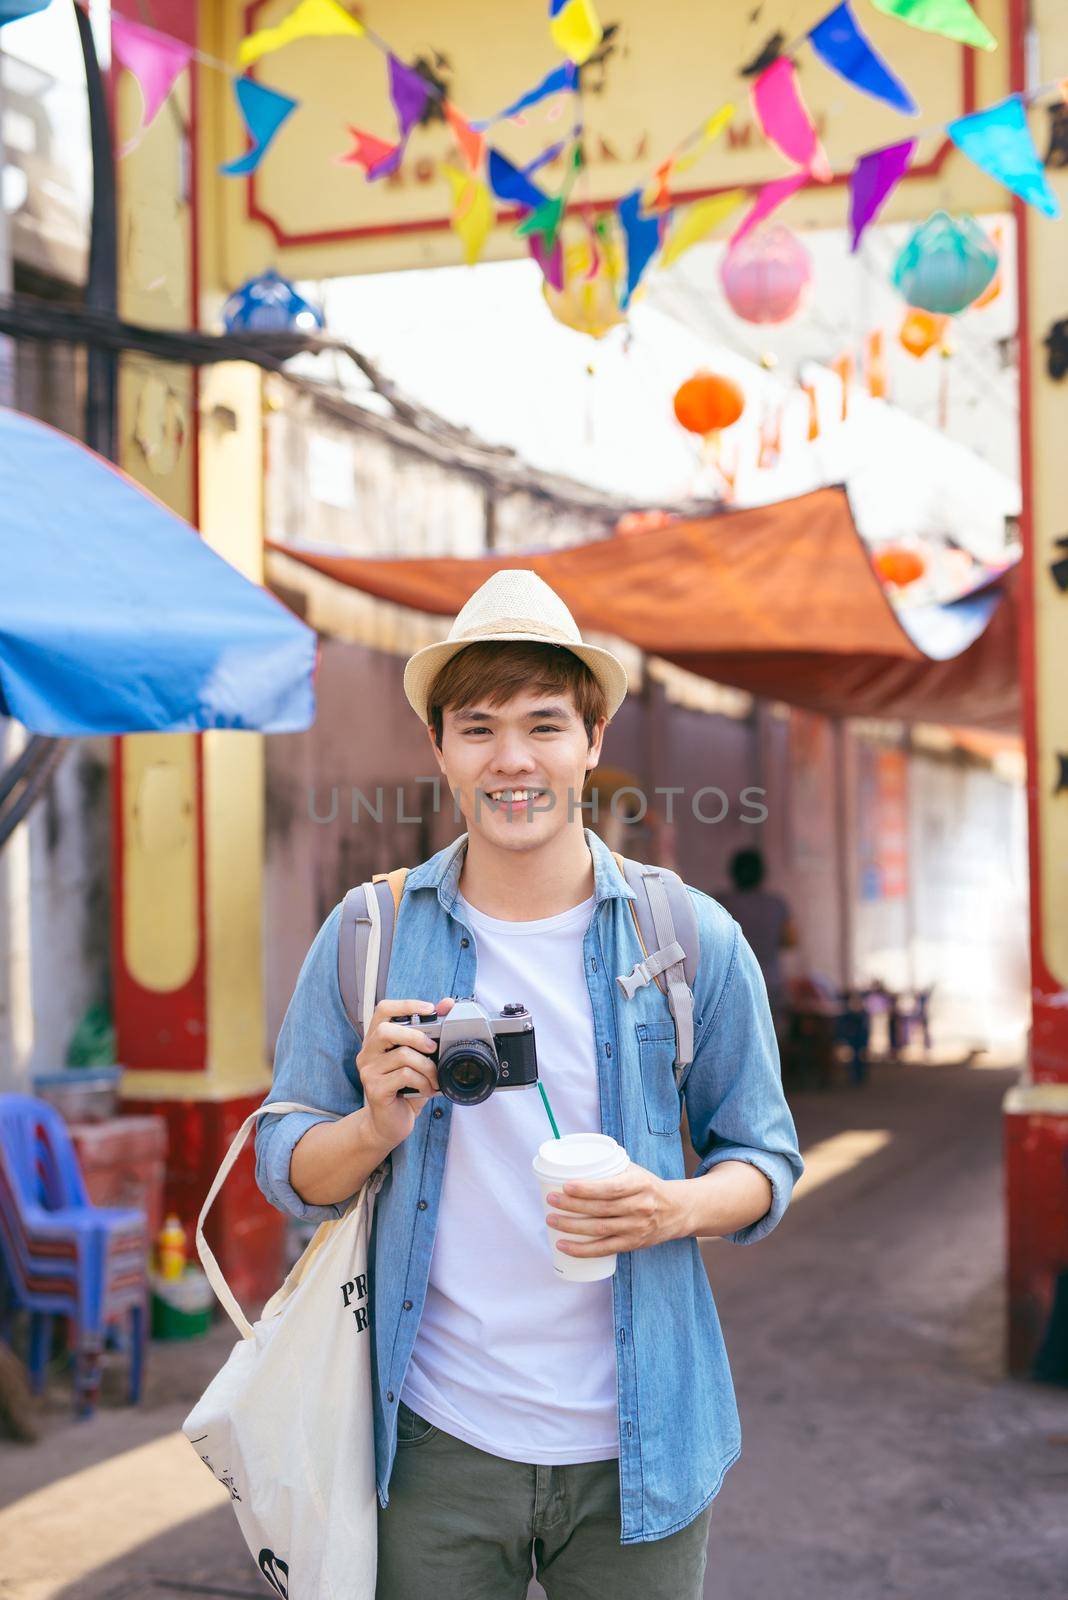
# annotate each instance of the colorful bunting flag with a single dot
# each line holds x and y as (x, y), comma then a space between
(508, 183)
(576, 30)
(784, 118)
(545, 159)
(409, 92)
(154, 59)
(709, 133)
(472, 146)
(697, 222)
(368, 152)
(545, 220)
(999, 141)
(643, 237)
(472, 210)
(263, 111)
(551, 261)
(556, 6)
(954, 19)
(560, 80)
(771, 196)
(872, 181)
(310, 19)
(840, 44)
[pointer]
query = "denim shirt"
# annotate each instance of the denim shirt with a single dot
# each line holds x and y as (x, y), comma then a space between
(678, 1421)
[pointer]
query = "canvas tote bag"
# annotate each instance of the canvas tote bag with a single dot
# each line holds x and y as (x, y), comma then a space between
(287, 1425)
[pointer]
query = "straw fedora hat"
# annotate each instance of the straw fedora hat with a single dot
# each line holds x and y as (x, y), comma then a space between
(513, 604)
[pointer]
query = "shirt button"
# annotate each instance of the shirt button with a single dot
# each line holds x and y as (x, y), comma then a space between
(389, 1395)
(407, 1305)
(608, 1049)
(422, 1205)
(464, 943)
(437, 1111)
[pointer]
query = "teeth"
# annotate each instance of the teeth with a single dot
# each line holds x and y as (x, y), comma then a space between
(515, 794)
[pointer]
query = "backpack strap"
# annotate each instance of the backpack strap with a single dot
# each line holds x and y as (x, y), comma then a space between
(365, 943)
(666, 925)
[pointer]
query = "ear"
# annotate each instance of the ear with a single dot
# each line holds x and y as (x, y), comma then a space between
(434, 746)
(593, 754)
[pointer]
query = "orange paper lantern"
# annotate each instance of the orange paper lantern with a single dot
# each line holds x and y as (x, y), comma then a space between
(899, 566)
(708, 402)
(921, 331)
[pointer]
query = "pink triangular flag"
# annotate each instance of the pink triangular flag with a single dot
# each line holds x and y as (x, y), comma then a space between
(367, 150)
(771, 196)
(155, 59)
(784, 117)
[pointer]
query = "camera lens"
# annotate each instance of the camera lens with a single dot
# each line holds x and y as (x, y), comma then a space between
(467, 1072)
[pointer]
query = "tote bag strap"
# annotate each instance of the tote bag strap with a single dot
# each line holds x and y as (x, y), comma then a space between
(212, 1270)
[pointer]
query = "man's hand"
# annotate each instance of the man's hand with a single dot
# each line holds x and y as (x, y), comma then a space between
(394, 1057)
(625, 1213)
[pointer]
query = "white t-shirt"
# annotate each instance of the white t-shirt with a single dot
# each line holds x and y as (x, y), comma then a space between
(508, 1357)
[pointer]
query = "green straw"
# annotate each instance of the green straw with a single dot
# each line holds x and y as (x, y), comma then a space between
(548, 1109)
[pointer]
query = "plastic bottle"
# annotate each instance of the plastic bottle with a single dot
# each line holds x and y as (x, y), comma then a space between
(170, 1248)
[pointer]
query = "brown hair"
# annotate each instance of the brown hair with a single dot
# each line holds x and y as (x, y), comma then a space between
(497, 670)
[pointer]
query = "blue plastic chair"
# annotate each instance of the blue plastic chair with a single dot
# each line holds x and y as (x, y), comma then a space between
(64, 1256)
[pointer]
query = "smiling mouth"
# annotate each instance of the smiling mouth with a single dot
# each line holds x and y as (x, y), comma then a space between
(513, 797)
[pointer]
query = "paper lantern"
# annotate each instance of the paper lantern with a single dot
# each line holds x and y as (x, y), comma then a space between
(269, 304)
(921, 331)
(899, 566)
(588, 301)
(945, 264)
(708, 402)
(766, 277)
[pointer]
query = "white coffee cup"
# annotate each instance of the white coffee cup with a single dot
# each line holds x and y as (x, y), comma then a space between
(577, 1158)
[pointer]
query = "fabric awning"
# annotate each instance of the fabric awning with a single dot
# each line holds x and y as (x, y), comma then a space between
(781, 600)
(115, 617)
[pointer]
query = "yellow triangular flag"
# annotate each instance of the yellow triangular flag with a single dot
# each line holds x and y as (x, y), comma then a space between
(472, 210)
(711, 130)
(576, 30)
(697, 222)
(310, 19)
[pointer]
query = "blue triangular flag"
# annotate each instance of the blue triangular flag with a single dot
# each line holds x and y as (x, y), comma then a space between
(508, 183)
(643, 238)
(839, 43)
(554, 82)
(999, 140)
(12, 10)
(264, 111)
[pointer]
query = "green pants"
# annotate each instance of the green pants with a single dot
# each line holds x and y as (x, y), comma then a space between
(464, 1525)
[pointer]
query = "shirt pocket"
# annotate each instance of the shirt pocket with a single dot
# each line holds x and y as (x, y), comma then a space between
(656, 1060)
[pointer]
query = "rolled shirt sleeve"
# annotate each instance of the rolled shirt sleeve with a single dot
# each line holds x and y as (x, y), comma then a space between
(314, 1064)
(735, 1106)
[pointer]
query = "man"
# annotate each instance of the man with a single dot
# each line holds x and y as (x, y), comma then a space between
(519, 1417)
(765, 919)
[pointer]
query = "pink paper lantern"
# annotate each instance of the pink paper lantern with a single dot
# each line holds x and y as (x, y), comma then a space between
(766, 276)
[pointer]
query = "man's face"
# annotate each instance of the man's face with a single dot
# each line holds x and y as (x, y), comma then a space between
(519, 768)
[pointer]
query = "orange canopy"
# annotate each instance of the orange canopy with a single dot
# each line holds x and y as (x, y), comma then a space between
(781, 600)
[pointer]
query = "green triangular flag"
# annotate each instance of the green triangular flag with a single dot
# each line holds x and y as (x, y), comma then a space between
(955, 19)
(545, 220)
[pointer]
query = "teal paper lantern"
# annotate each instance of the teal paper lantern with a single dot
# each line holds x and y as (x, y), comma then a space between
(945, 264)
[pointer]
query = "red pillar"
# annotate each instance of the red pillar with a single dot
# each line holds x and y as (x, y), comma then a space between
(1036, 1111)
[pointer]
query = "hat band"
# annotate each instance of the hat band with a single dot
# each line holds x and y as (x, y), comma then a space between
(544, 630)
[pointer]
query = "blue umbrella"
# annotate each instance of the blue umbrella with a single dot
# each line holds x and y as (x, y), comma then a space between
(115, 617)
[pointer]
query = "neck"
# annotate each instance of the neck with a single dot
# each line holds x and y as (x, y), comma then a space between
(526, 885)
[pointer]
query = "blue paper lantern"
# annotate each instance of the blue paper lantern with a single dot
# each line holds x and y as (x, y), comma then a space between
(945, 264)
(269, 304)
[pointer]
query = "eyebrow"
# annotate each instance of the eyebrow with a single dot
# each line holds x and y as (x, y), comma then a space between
(487, 716)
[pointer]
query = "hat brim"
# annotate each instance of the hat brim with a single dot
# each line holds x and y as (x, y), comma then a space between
(424, 666)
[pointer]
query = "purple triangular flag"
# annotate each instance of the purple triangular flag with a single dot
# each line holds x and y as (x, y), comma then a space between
(409, 92)
(873, 180)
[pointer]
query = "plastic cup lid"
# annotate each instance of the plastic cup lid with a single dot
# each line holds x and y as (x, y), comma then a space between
(579, 1155)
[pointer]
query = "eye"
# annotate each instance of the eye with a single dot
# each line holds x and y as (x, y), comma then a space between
(475, 730)
(547, 727)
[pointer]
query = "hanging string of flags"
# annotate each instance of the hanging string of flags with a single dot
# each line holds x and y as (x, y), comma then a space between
(649, 227)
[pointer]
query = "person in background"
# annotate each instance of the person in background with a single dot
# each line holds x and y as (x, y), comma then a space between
(766, 922)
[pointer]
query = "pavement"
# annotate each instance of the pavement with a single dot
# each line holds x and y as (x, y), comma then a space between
(885, 1452)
